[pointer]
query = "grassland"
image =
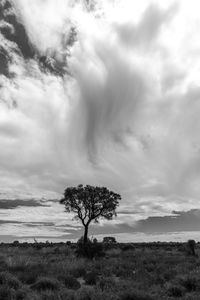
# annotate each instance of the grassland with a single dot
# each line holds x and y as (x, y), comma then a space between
(125, 272)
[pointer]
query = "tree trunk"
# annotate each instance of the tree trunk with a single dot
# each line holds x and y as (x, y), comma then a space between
(85, 238)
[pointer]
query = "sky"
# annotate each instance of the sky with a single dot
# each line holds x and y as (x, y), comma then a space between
(104, 93)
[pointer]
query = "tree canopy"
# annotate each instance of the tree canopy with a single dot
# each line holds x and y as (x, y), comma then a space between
(89, 203)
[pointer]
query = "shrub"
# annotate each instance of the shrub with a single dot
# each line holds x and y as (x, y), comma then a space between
(31, 273)
(55, 295)
(79, 271)
(22, 294)
(5, 293)
(127, 247)
(17, 263)
(135, 295)
(191, 247)
(109, 240)
(66, 295)
(192, 296)
(175, 291)
(9, 280)
(91, 278)
(16, 243)
(38, 246)
(113, 252)
(3, 264)
(169, 274)
(84, 294)
(45, 283)
(106, 283)
(190, 283)
(70, 282)
(90, 250)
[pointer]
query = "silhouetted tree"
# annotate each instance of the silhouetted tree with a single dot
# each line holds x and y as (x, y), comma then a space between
(191, 246)
(90, 203)
(109, 240)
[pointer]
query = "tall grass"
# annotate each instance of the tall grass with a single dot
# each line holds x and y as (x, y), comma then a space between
(126, 272)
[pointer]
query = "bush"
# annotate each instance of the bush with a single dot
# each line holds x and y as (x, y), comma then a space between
(9, 280)
(78, 271)
(113, 252)
(191, 247)
(17, 263)
(109, 240)
(84, 294)
(66, 295)
(192, 296)
(22, 294)
(91, 249)
(70, 282)
(5, 293)
(16, 243)
(106, 283)
(135, 295)
(91, 278)
(169, 274)
(3, 264)
(127, 247)
(31, 273)
(45, 283)
(175, 291)
(190, 283)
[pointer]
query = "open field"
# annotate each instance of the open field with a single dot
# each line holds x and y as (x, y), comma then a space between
(125, 272)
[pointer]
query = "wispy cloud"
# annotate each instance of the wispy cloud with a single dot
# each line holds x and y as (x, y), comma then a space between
(117, 105)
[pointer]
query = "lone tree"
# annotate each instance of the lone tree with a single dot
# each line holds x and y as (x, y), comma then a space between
(90, 203)
(191, 246)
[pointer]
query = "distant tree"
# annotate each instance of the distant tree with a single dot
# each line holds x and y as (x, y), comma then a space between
(89, 203)
(191, 246)
(16, 243)
(109, 240)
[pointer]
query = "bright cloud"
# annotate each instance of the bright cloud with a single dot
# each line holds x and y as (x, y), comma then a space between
(126, 112)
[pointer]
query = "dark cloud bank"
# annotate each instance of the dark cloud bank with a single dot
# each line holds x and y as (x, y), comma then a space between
(179, 221)
(11, 204)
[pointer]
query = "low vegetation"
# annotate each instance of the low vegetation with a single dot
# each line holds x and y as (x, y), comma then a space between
(62, 271)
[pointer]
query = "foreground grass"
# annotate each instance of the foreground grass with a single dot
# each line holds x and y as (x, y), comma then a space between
(126, 272)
